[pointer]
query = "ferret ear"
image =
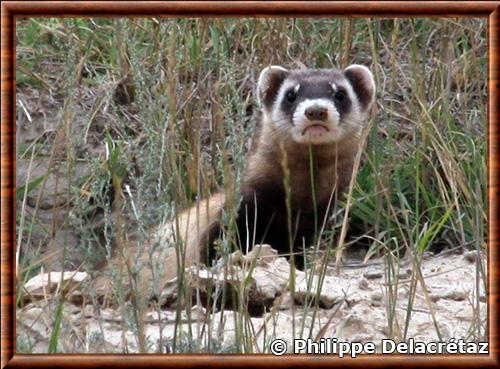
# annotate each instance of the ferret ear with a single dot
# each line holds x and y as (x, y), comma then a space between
(363, 84)
(269, 84)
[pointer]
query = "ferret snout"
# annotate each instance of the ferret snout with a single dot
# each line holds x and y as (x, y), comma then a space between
(316, 113)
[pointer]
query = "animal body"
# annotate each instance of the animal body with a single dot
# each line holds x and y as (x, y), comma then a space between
(310, 126)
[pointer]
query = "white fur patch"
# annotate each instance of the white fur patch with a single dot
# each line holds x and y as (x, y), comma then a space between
(303, 130)
(333, 114)
(263, 83)
(367, 71)
(324, 131)
(355, 107)
(367, 77)
(276, 114)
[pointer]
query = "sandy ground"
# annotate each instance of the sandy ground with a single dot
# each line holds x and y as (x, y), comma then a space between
(354, 306)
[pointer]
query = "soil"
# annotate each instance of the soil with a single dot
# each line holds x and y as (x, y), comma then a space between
(353, 307)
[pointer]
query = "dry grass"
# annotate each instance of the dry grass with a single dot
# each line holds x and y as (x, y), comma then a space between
(131, 120)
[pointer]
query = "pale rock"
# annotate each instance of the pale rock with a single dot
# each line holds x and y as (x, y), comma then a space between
(46, 284)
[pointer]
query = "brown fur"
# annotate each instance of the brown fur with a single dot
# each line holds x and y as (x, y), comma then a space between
(332, 165)
(264, 181)
(263, 214)
(174, 244)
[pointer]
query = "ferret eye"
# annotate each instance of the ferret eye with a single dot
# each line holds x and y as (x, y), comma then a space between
(340, 96)
(291, 96)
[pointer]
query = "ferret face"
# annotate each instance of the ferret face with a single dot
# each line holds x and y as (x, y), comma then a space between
(316, 106)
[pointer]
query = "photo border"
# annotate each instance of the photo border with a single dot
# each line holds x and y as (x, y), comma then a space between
(10, 10)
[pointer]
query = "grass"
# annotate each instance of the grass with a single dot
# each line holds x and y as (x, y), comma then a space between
(159, 113)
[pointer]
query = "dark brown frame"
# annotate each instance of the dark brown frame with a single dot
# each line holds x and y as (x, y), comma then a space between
(12, 9)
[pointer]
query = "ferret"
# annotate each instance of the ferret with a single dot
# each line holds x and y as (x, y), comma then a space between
(310, 126)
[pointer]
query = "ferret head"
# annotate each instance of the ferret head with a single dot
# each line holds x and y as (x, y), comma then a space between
(316, 106)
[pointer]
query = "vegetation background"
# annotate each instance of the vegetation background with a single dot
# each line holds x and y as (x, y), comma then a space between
(121, 123)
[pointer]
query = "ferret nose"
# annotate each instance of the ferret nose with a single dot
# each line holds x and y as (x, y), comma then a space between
(316, 113)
